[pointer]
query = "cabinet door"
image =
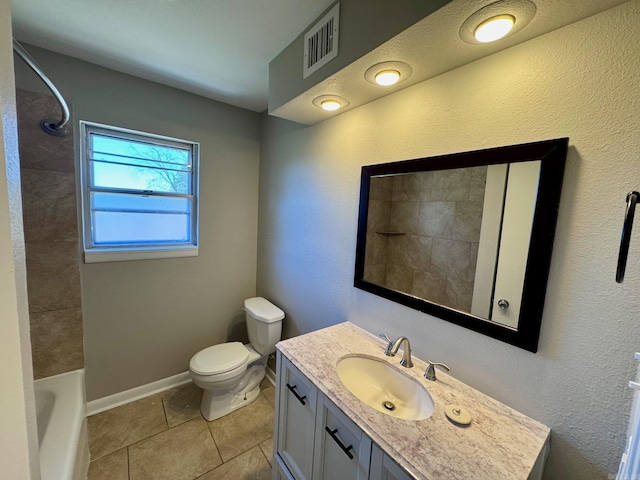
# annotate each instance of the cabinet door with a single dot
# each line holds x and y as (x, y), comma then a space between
(280, 471)
(383, 468)
(295, 419)
(342, 450)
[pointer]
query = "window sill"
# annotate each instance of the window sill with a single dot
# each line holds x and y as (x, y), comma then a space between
(123, 255)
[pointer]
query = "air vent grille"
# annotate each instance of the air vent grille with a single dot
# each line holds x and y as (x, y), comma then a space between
(321, 42)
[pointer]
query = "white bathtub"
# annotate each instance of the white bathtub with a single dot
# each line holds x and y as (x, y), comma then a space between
(62, 426)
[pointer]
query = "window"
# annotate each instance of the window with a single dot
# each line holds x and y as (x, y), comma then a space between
(140, 195)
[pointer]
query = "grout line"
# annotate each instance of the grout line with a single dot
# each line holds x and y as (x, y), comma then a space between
(128, 465)
(164, 410)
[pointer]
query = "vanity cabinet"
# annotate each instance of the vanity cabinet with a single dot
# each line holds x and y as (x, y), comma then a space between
(316, 440)
(341, 450)
(297, 398)
(384, 468)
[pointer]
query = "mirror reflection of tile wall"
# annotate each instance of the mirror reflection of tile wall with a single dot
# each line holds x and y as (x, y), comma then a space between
(423, 231)
(47, 171)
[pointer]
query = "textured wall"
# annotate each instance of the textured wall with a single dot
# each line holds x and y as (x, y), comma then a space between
(580, 81)
(18, 435)
(143, 320)
(47, 173)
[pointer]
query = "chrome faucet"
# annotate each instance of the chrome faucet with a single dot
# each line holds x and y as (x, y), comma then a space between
(430, 372)
(392, 349)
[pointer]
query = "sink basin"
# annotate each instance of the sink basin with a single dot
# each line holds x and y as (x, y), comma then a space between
(384, 387)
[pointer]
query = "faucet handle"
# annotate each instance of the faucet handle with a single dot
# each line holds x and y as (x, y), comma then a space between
(430, 373)
(387, 351)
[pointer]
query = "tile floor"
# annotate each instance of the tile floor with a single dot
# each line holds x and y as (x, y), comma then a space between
(164, 437)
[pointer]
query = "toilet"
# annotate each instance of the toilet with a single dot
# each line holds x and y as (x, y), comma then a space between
(230, 373)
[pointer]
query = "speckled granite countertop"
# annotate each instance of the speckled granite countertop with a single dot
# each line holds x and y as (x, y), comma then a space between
(500, 443)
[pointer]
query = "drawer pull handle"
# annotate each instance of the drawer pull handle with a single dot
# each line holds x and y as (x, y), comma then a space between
(340, 444)
(300, 398)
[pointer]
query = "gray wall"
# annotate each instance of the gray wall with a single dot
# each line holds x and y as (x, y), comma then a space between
(580, 81)
(143, 320)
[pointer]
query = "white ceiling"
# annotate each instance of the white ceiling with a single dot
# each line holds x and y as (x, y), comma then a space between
(219, 49)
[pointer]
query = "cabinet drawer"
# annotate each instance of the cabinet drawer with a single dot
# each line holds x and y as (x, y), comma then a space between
(296, 419)
(342, 449)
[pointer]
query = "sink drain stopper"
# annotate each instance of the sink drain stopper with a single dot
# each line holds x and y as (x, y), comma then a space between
(389, 405)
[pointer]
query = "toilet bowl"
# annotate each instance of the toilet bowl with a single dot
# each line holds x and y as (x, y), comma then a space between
(230, 373)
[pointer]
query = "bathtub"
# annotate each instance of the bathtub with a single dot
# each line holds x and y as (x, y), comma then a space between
(62, 426)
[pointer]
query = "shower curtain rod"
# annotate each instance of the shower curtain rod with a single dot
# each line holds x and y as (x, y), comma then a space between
(52, 127)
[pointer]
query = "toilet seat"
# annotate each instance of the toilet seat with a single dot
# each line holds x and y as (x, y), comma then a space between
(219, 359)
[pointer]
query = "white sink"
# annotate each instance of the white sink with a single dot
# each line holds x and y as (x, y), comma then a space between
(385, 387)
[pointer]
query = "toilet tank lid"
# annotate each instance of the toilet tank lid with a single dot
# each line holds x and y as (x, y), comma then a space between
(263, 310)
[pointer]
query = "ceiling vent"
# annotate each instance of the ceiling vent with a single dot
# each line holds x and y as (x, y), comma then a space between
(321, 42)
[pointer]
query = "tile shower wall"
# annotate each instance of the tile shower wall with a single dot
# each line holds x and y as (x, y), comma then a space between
(47, 170)
(424, 229)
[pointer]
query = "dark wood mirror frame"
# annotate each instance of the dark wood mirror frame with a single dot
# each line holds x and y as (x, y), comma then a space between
(552, 155)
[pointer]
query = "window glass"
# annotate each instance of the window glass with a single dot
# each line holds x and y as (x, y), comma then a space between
(140, 190)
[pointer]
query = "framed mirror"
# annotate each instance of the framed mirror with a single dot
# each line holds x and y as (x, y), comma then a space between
(465, 237)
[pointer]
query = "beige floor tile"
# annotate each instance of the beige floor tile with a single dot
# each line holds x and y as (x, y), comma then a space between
(181, 453)
(270, 394)
(245, 428)
(265, 384)
(114, 466)
(267, 449)
(119, 427)
(251, 465)
(182, 404)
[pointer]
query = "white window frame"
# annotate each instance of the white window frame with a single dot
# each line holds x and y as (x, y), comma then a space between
(95, 254)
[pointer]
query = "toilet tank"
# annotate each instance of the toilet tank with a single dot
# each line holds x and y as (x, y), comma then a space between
(264, 324)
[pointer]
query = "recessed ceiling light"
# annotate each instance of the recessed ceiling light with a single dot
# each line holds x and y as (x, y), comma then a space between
(494, 28)
(497, 20)
(388, 73)
(387, 77)
(330, 103)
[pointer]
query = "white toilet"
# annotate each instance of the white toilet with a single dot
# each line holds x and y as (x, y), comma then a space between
(230, 373)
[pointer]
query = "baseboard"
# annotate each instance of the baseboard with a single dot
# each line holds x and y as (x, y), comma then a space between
(128, 396)
(271, 376)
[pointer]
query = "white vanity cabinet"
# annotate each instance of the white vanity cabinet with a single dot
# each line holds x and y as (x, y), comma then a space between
(341, 450)
(316, 441)
(296, 420)
(384, 468)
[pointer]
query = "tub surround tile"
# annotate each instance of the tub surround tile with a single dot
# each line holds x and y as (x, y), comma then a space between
(49, 206)
(500, 443)
(243, 429)
(251, 465)
(53, 276)
(56, 342)
(181, 453)
(437, 219)
(182, 404)
(404, 217)
(38, 149)
(268, 450)
(122, 426)
(468, 220)
(114, 466)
